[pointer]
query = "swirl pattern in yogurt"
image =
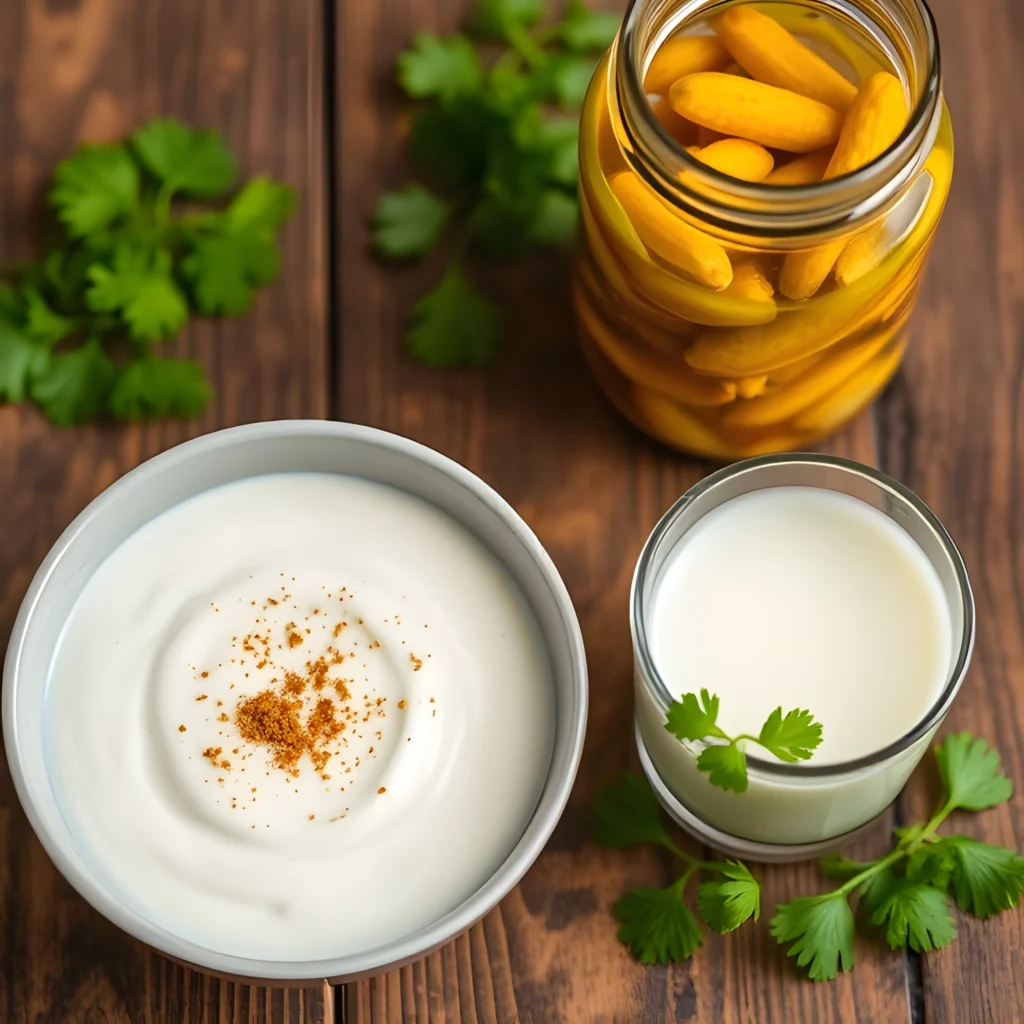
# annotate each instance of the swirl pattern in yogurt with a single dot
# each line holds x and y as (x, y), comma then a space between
(299, 716)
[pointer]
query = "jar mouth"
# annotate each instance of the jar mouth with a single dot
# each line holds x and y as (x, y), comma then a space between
(800, 469)
(774, 211)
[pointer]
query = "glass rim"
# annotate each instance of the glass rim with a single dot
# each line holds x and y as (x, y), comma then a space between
(828, 203)
(652, 678)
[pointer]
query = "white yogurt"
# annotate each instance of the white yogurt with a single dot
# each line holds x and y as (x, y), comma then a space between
(798, 597)
(436, 717)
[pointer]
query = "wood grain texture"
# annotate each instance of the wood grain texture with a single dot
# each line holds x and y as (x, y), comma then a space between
(92, 69)
(592, 488)
(953, 431)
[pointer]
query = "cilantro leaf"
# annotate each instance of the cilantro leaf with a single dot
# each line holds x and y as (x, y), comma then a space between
(408, 222)
(554, 222)
(725, 904)
(835, 865)
(971, 773)
(501, 224)
(494, 18)
(260, 205)
(558, 145)
(820, 929)
(185, 159)
(226, 269)
(583, 29)
(657, 926)
(986, 879)
(95, 187)
(914, 915)
(931, 864)
(42, 323)
(152, 387)
(874, 889)
(72, 387)
(690, 719)
(439, 66)
(726, 767)
(628, 813)
(570, 79)
(21, 358)
(454, 325)
(450, 143)
(140, 287)
(790, 738)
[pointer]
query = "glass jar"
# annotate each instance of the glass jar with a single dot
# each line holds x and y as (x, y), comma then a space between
(701, 304)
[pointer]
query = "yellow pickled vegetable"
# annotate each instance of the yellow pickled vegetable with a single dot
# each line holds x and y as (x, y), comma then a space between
(739, 158)
(865, 251)
(861, 253)
(734, 353)
(683, 131)
(838, 406)
(749, 282)
(751, 387)
(772, 55)
(804, 170)
(674, 380)
(777, 118)
(670, 422)
(803, 22)
(668, 236)
(666, 298)
(807, 389)
(683, 56)
(873, 124)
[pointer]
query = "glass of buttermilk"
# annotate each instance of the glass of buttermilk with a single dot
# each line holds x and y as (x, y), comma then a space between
(799, 581)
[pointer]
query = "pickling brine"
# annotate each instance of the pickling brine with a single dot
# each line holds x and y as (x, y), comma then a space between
(759, 187)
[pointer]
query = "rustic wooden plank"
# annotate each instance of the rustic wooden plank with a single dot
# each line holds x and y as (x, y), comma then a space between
(592, 488)
(92, 69)
(953, 432)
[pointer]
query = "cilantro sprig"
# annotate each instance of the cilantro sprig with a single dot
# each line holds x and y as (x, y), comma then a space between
(79, 328)
(905, 896)
(491, 136)
(656, 925)
(907, 893)
(791, 737)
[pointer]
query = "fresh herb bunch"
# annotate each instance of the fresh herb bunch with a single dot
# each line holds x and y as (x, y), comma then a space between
(78, 328)
(791, 737)
(903, 895)
(656, 924)
(907, 892)
(491, 139)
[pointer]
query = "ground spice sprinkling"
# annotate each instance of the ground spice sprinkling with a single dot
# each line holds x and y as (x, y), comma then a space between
(181, 728)
(381, 790)
(417, 663)
(401, 705)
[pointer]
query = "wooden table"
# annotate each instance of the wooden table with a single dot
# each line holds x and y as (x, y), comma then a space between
(302, 89)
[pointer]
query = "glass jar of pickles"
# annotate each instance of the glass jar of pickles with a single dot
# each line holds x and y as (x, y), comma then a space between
(759, 186)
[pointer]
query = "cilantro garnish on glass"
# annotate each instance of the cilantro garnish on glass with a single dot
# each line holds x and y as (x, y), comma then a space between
(791, 737)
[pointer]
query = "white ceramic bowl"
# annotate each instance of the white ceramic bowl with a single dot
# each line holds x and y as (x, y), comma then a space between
(222, 457)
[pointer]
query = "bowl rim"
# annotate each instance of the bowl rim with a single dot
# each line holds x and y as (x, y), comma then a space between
(551, 801)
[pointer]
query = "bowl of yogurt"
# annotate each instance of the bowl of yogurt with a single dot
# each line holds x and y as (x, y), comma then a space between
(798, 581)
(295, 700)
